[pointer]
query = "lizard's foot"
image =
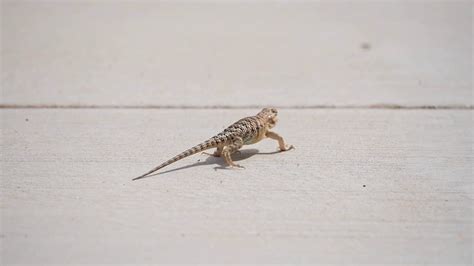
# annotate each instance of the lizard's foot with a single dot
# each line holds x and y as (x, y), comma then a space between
(287, 148)
(237, 166)
(211, 154)
(232, 165)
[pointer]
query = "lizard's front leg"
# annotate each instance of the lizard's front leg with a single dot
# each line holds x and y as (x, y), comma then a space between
(229, 149)
(281, 141)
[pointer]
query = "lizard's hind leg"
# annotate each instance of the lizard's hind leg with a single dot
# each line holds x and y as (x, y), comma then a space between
(217, 152)
(229, 149)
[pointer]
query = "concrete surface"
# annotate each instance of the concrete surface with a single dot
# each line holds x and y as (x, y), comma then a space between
(236, 54)
(363, 187)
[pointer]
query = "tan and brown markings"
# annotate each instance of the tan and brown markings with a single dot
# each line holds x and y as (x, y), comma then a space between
(246, 131)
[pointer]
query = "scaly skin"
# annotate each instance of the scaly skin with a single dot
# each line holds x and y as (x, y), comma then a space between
(246, 131)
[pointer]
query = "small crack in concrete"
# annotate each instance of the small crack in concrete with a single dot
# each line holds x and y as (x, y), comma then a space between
(106, 106)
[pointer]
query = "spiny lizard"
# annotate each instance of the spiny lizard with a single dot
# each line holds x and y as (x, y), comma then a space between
(246, 131)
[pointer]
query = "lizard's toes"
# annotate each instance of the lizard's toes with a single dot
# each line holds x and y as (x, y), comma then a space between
(288, 147)
(238, 166)
(210, 154)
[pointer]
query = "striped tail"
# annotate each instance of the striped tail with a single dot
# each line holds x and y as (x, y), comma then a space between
(209, 144)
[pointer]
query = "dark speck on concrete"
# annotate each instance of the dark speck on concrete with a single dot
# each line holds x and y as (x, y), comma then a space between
(365, 46)
(363, 185)
(26, 119)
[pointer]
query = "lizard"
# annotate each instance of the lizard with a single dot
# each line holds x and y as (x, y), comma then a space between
(246, 131)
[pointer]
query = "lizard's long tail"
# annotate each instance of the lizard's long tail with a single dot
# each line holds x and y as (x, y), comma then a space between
(208, 144)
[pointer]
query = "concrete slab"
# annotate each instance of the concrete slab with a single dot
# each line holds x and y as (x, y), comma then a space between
(238, 54)
(362, 187)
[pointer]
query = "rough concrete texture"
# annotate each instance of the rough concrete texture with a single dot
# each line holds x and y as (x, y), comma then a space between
(362, 186)
(236, 54)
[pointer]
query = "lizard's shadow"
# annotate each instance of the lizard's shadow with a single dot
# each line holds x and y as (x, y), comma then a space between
(238, 156)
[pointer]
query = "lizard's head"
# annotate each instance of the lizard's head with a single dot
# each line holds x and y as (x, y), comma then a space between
(269, 115)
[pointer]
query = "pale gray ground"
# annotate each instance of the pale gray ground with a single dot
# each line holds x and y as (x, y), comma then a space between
(237, 54)
(364, 186)
(394, 182)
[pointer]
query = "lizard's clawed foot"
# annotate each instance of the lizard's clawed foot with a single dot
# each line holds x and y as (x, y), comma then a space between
(211, 154)
(237, 166)
(287, 148)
